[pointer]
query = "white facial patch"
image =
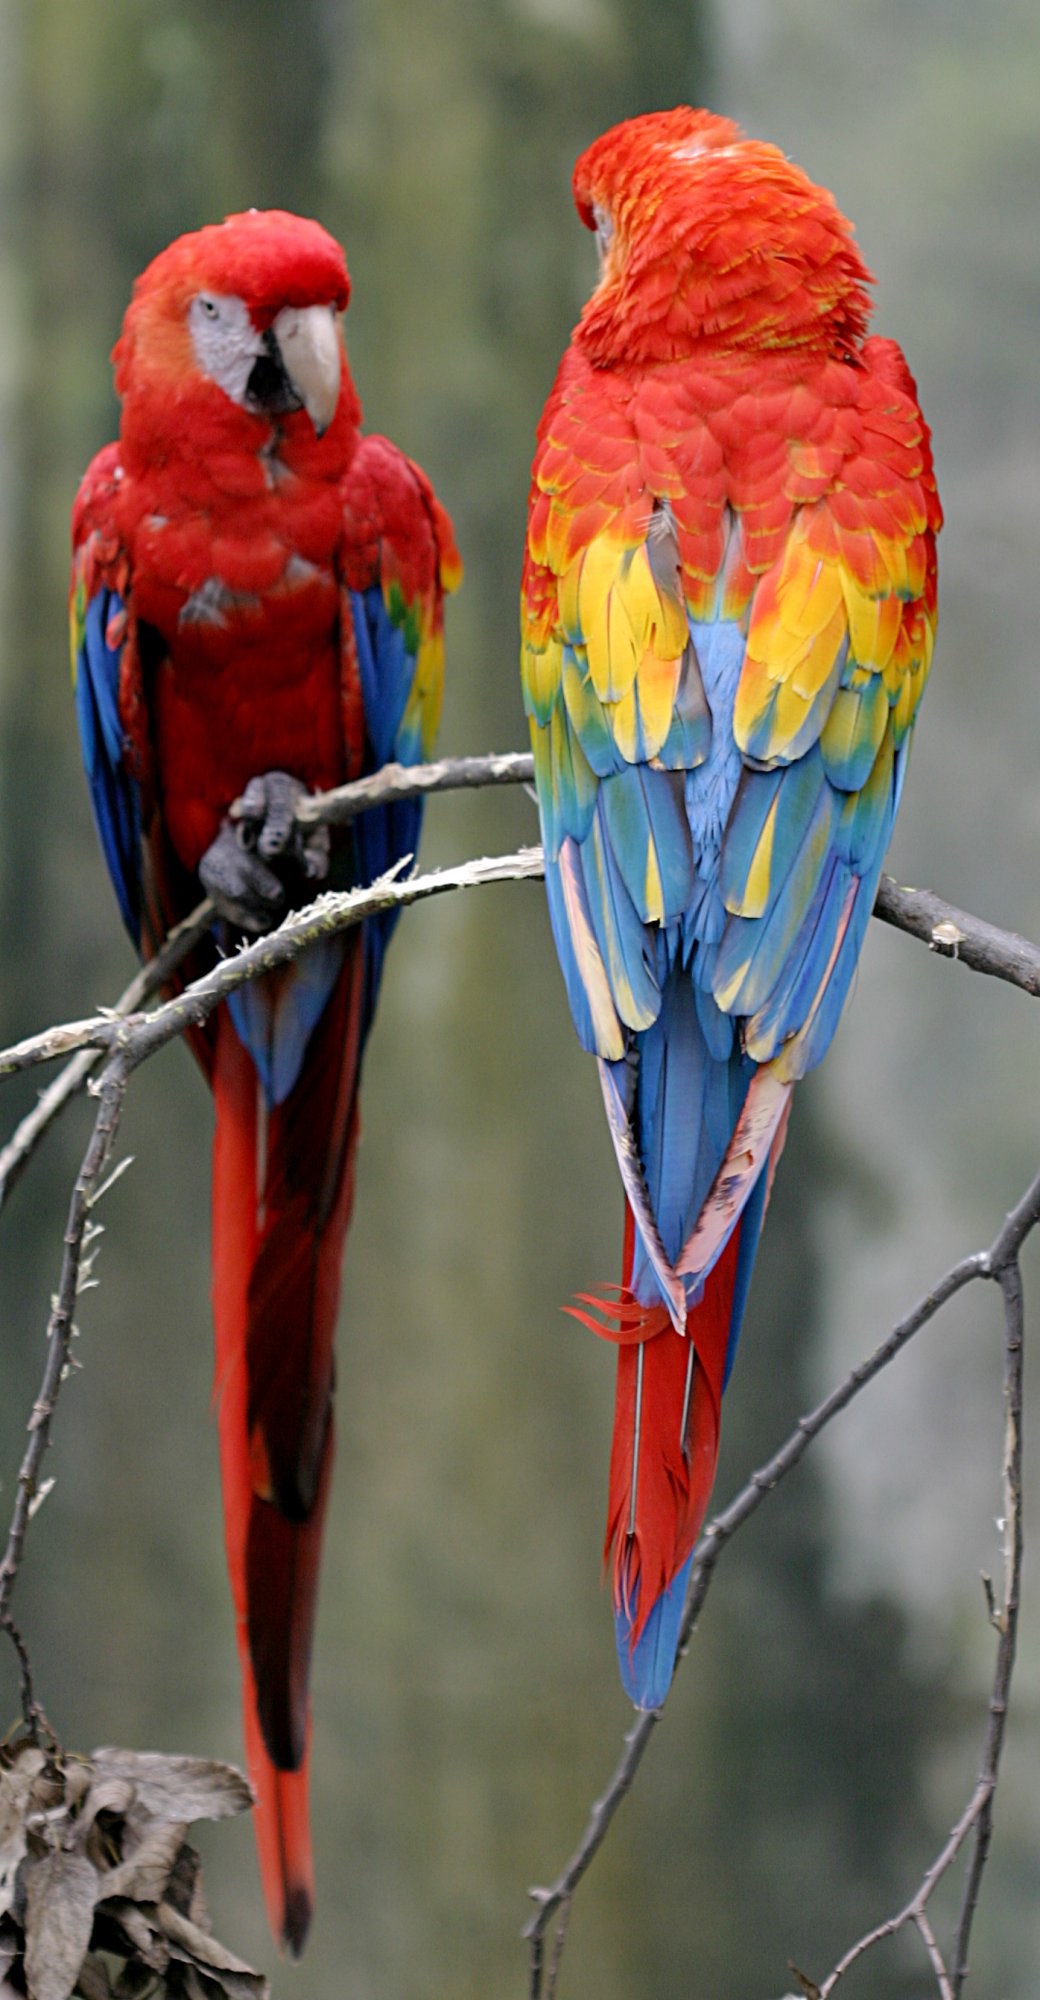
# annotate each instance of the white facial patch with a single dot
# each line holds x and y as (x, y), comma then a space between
(225, 340)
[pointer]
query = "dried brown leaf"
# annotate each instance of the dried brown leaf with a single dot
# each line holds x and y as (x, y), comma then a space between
(135, 1982)
(10, 1948)
(61, 1891)
(177, 1788)
(99, 1890)
(188, 1942)
(14, 1795)
(185, 1891)
(144, 1873)
(138, 1928)
(93, 1982)
(112, 1795)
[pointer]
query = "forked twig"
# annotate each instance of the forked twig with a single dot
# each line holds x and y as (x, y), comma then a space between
(999, 1263)
(15, 1156)
(60, 1328)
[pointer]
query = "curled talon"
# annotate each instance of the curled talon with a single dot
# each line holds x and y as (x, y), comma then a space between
(245, 890)
(265, 822)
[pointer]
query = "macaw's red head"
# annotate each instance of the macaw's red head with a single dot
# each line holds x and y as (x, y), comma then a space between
(232, 329)
(711, 240)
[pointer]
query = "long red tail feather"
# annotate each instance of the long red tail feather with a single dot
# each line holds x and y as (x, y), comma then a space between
(666, 1438)
(283, 1184)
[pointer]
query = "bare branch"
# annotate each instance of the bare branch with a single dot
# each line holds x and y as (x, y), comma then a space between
(921, 914)
(59, 1336)
(1002, 954)
(15, 1156)
(410, 781)
(1007, 1618)
(935, 1957)
(32, 1713)
(999, 1262)
(139, 1036)
(956, 934)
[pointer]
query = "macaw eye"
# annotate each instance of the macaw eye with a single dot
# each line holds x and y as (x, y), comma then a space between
(208, 306)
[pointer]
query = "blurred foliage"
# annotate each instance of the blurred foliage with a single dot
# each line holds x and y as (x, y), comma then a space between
(465, 1694)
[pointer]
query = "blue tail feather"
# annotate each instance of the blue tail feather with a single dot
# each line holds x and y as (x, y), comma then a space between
(647, 1667)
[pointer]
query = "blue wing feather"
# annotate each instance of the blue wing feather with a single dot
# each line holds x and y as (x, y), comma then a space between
(619, 929)
(114, 793)
(386, 834)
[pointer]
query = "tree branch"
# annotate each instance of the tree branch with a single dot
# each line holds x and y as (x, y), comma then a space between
(139, 1035)
(999, 1263)
(956, 934)
(1003, 1266)
(410, 781)
(920, 913)
(60, 1330)
(26, 1136)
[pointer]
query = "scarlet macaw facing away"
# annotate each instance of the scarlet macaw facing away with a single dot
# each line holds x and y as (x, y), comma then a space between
(257, 610)
(728, 612)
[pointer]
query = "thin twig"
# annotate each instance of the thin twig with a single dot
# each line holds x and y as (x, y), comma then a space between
(935, 1957)
(15, 1156)
(61, 1323)
(1003, 1266)
(33, 1716)
(998, 1263)
(559, 1893)
(1007, 1620)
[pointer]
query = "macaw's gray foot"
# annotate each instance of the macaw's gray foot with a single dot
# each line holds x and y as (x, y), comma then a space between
(262, 862)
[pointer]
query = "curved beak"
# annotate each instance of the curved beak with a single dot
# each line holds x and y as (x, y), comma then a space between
(312, 356)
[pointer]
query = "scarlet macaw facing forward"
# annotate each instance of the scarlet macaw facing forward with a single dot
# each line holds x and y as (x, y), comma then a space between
(256, 612)
(728, 612)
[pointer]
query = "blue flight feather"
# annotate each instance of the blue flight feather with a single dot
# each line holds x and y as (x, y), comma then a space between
(114, 794)
(688, 741)
(587, 716)
(384, 835)
(577, 999)
(751, 808)
(620, 933)
(644, 814)
(687, 1103)
(787, 1007)
(819, 1033)
(849, 763)
(750, 1230)
(760, 945)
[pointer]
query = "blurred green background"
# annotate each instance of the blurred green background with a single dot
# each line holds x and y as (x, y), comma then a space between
(824, 1733)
